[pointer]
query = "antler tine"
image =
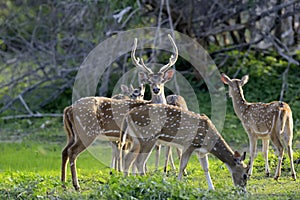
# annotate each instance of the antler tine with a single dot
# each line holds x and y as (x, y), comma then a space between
(173, 58)
(136, 61)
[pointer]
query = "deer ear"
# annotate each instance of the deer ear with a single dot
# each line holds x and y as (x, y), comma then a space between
(225, 79)
(245, 79)
(169, 75)
(124, 89)
(143, 77)
(237, 154)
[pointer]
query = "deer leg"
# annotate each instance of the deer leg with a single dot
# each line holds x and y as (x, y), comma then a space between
(276, 141)
(184, 160)
(142, 157)
(64, 155)
(131, 155)
(65, 158)
(157, 156)
(253, 144)
(290, 153)
(265, 150)
(73, 153)
(169, 156)
(288, 138)
(179, 153)
(115, 152)
(122, 149)
(205, 166)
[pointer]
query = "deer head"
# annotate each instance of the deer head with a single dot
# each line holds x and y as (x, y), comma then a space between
(234, 84)
(131, 92)
(158, 79)
(134, 93)
(240, 170)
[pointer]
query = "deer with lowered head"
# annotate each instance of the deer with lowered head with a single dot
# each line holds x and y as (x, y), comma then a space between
(267, 121)
(174, 126)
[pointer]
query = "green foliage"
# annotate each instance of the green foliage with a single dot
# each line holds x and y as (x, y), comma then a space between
(30, 169)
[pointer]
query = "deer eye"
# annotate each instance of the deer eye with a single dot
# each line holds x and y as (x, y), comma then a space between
(245, 176)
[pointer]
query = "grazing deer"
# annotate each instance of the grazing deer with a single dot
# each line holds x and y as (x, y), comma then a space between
(127, 93)
(265, 121)
(157, 84)
(176, 127)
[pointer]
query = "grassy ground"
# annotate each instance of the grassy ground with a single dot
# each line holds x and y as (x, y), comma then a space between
(30, 169)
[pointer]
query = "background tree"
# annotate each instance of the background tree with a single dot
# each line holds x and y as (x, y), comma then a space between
(43, 43)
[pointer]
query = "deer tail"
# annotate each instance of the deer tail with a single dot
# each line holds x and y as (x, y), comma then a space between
(68, 126)
(285, 114)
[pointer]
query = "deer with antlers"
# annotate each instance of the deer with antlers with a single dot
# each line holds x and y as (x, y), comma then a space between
(267, 121)
(177, 127)
(157, 81)
(92, 117)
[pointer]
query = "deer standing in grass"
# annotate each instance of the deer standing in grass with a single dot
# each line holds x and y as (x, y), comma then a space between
(157, 81)
(127, 93)
(89, 118)
(265, 121)
(184, 129)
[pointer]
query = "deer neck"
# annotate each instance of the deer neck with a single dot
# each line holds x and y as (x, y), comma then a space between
(223, 152)
(239, 102)
(159, 98)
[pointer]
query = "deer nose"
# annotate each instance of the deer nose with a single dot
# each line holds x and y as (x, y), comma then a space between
(156, 90)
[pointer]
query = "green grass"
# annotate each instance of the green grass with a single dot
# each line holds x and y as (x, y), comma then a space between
(30, 169)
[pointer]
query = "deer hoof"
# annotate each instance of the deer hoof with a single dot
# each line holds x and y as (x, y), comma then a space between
(267, 174)
(77, 188)
(276, 178)
(294, 177)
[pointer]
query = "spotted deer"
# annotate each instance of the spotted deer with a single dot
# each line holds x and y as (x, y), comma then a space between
(131, 92)
(266, 121)
(180, 128)
(92, 117)
(127, 93)
(157, 81)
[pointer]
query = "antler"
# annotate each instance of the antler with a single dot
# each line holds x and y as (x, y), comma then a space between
(136, 61)
(173, 58)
